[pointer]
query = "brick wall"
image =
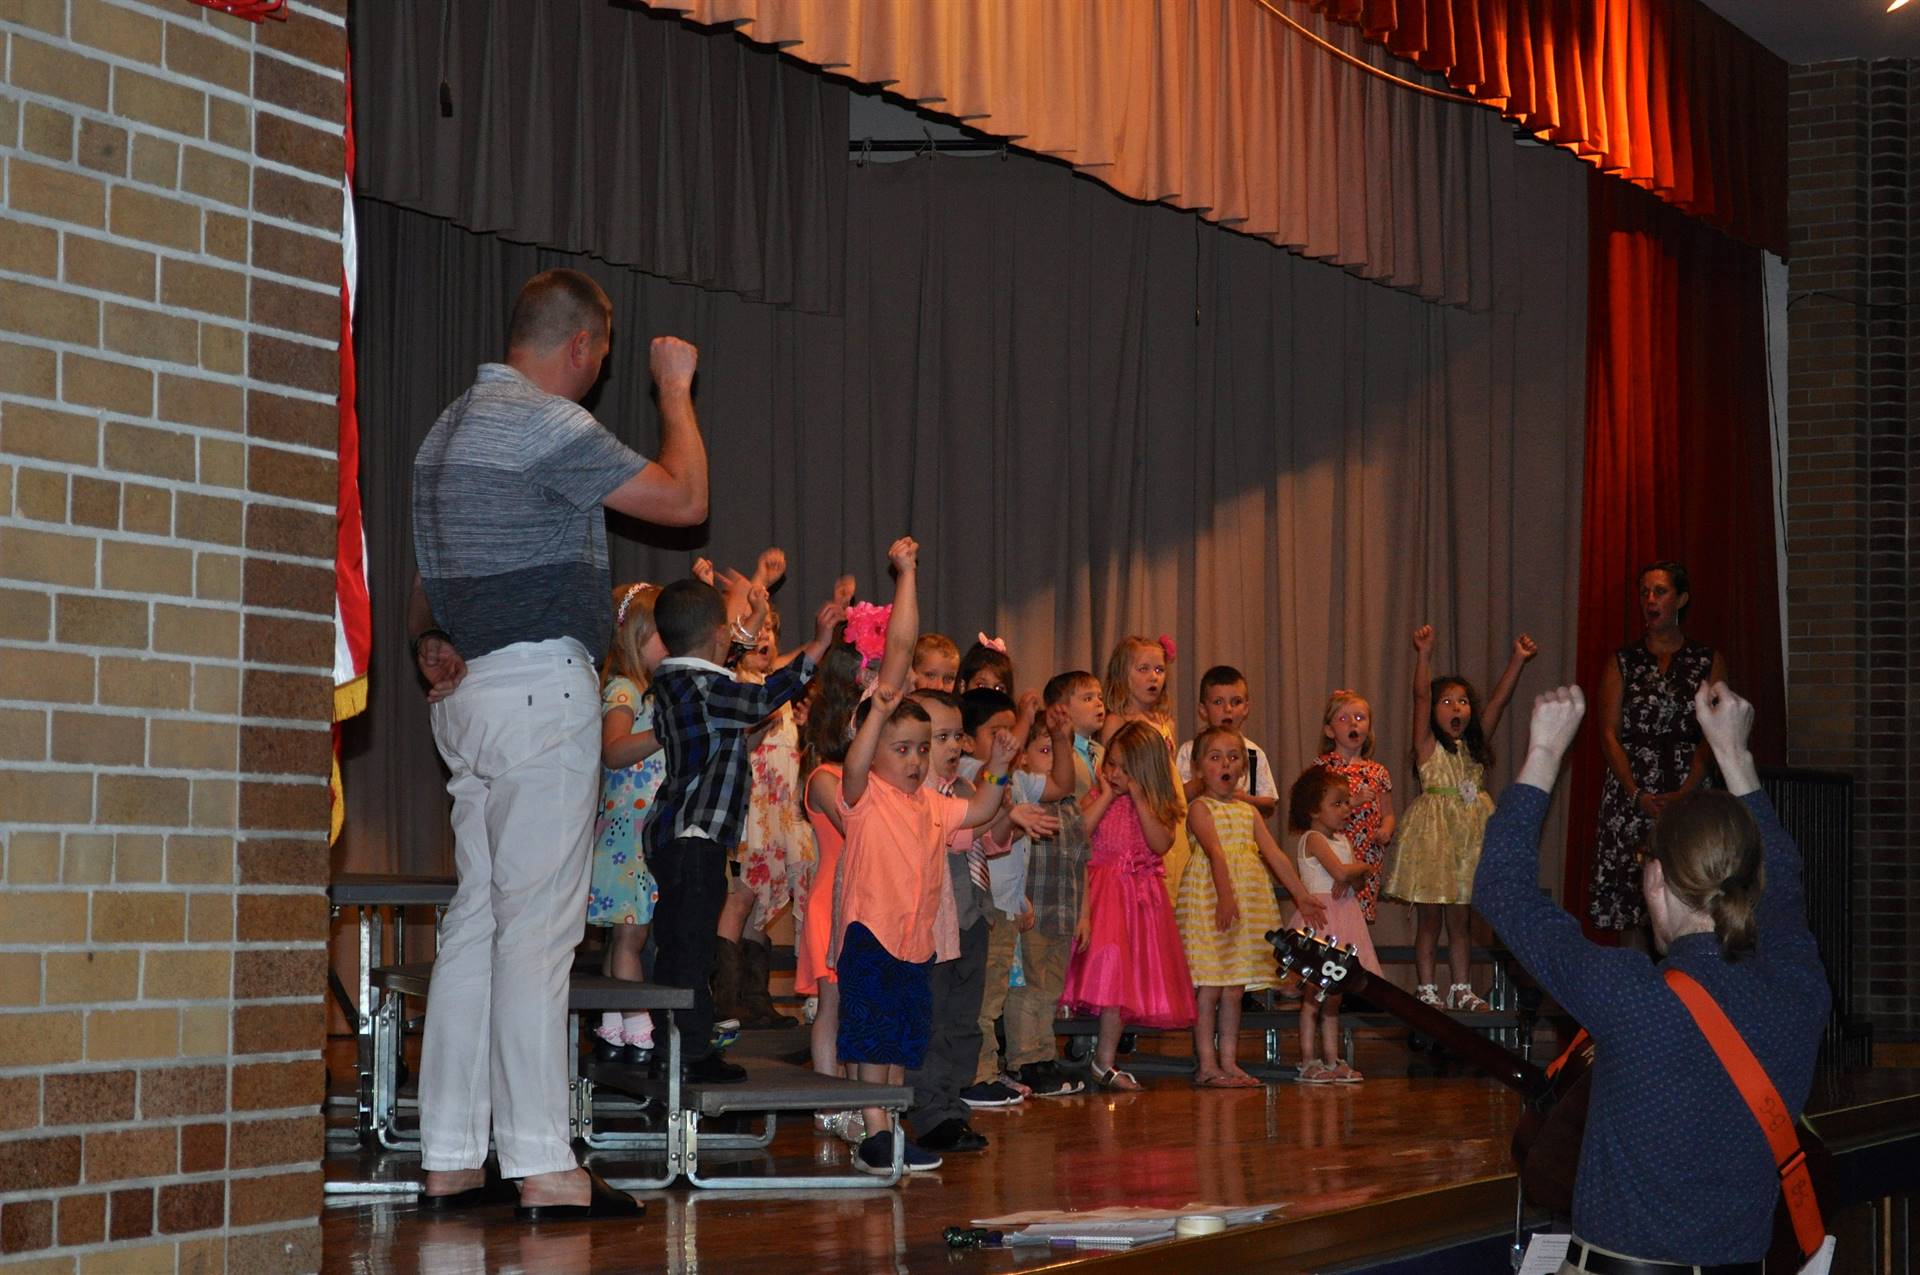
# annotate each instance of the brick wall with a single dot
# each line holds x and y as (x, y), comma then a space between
(169, 273)
(1853, 466)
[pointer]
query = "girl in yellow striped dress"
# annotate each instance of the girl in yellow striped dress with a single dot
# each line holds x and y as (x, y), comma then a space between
(1226, 905)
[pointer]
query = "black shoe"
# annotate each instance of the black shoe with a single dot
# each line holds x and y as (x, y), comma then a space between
(875, 1155)
(1048, 1081)
(492, 1191)
(990, 1093)
(605, 1051)
(714, 1069)
(603, 1202)
(953, 1135)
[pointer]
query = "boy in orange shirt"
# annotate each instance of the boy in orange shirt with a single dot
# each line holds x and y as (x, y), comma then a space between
(894, 914)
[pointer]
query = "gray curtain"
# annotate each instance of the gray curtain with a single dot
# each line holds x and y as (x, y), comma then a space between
(619, 134)
(1099, 417)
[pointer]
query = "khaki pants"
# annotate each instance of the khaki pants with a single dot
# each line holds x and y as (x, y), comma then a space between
(1000, 942)
(1031, 1010)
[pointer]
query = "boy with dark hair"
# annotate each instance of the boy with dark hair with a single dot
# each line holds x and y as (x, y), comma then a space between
(703, 715)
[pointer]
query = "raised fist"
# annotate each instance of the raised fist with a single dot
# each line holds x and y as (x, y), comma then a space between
(1423, 638)
(672, 362)
(904, 554)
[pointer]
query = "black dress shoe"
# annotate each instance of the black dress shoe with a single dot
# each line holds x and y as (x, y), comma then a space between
(714, 1069)
(603, 1201)
(953, 1135)
(605, 1051)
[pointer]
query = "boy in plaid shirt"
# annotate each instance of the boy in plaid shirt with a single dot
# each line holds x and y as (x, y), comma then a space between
(702, 716)
(1056, 892)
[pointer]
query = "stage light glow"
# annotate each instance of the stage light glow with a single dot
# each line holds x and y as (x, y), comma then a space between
(1896, 4)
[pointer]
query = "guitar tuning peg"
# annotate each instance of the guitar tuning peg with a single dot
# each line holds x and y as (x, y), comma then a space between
(1319, 995)
(1333, 940)
(1307, 932)
(1353, 950)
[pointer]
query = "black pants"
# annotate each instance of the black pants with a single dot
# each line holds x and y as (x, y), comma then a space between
(953, 1052)
(692, 875)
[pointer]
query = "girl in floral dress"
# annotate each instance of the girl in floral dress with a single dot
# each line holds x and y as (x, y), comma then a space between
(622, 894)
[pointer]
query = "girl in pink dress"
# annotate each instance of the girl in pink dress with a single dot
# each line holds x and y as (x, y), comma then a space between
(1128, 966)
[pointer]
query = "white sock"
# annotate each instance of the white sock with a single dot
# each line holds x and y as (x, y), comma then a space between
(609, 1028)
(639, 1030)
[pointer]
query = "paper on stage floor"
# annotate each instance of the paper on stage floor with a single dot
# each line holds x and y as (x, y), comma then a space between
(1544, 1254)
(1235, 1215)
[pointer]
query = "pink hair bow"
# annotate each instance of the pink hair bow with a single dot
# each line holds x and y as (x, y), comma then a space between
(993, 643)
(1166, 645)
(867, 630)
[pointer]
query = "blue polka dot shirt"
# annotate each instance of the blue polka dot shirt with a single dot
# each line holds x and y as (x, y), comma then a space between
(1674, 1166)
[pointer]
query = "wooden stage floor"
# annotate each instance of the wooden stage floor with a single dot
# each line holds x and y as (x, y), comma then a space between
(1326, 1152)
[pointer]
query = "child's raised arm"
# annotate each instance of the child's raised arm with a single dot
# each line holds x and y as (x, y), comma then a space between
(903, 625)
(1423, 693)
(866, 742)
(985, 803)
(828, 618)
(1060, 779)
(1312, 911)
(1159, 835)
(1524, 649)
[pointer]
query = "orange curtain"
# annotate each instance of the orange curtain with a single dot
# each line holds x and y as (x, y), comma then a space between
(1216, 105)
(1210, 105)
(1664, 93)
(1678, 465)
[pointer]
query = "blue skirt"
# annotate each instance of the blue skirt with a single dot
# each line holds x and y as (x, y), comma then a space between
(886, 1004)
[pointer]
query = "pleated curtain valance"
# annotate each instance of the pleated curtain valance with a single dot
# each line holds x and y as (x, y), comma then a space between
(1664, 93)
(1210, 105)
(589, 128)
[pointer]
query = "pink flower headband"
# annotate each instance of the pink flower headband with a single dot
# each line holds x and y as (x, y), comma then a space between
(867, 630)
(626, 601)
(993, 643)
(1166, 647)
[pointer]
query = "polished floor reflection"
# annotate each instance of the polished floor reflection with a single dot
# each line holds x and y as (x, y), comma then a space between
(1313, 1149)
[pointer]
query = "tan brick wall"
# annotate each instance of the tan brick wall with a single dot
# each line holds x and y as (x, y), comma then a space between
(1853, 502)
(170, 187)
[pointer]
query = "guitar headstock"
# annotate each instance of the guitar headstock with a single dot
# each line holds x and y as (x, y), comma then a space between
(1320, 961)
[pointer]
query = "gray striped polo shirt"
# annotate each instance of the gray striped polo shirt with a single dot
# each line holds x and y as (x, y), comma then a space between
(508, 527)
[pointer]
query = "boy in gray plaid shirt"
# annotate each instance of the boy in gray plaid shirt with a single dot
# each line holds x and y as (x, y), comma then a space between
(1056, 890)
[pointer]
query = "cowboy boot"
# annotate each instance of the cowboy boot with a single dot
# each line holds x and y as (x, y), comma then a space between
(726, 980)
(756, 1002)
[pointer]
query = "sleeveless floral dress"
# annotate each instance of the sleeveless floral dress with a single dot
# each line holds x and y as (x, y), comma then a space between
(1659, 732)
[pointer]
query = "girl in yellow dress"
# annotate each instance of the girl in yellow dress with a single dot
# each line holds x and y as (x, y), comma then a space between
(1226, 905)
(1439, 841)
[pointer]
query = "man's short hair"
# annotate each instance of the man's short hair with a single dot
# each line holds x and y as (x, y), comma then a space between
(555, 304)
(686, 613)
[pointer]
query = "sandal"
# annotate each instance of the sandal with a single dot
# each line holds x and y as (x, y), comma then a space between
(603, 1201)
(1461, 996)
(1429, 994)
(1315, 1072)
(1344, 1075)
(1114, 1078)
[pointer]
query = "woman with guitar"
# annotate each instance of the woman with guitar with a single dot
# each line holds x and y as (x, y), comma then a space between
(1675, 1169)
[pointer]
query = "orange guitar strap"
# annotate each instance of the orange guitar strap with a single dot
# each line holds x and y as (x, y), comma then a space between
(1764, 1100)
(1580, 1038)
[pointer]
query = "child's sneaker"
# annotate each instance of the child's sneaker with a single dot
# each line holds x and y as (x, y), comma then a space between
(989, 1093)
(875, 1156)
(1046, 1080)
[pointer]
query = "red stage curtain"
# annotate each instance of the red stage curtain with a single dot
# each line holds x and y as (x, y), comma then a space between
(1665, 93)
(1677, 462)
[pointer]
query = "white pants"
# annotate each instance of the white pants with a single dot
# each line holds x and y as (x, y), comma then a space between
(522, 738)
